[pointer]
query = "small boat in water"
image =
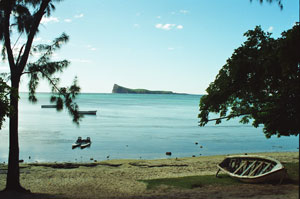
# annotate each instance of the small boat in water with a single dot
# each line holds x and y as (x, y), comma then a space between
(252, 168)
(87, 112)
(77, 143)
(83, 143)
(48, 106)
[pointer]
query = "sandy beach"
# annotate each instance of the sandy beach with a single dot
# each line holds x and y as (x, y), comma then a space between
(122, 179)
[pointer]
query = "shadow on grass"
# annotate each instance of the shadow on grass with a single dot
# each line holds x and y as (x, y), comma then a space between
(191, 182)
(17, 195)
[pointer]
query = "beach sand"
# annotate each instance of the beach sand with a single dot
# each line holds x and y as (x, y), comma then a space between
(121, 179)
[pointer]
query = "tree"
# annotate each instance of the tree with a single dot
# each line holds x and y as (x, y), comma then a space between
(261, 81)
(24, 17)
(4, 101)
(279, 2)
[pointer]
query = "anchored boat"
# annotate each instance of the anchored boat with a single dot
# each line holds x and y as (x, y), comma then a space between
(252, 168)
(87, 112)
(48, 106)
(83, 143)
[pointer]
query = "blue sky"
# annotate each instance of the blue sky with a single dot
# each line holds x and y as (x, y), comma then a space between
(176, 45)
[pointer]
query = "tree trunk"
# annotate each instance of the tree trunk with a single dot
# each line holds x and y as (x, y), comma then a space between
(13, 174)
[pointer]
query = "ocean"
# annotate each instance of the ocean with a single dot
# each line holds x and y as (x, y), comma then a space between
(132, 126)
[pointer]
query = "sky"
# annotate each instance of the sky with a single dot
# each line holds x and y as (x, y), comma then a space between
(172, 45)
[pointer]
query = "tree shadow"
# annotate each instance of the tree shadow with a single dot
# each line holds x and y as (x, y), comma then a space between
(17, 195)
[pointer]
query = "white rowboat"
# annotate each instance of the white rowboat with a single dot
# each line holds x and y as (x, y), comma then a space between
(252, 168)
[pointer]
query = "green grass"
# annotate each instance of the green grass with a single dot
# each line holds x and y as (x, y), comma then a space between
(292, 173)
(223, 180)
(191, 181)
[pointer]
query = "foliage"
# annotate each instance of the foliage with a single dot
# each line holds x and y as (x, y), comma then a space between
(279, 2)
(4, 101)
(23, 17)
(261, 81)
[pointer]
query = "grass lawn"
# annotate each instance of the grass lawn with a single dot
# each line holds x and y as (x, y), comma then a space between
(190, 182)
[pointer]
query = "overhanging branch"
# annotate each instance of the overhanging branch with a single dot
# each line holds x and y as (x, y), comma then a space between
(229, 116)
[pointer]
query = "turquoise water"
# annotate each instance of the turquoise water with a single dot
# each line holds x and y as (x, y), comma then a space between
(132, 126)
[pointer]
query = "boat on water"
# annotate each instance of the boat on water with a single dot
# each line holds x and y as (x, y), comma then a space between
(77, 143)
(252, 168)
(48, 106)
(87, 112)
(82, 143)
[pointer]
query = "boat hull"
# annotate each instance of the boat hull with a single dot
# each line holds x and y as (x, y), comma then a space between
(75, 145)
(82, 143)
(252, 169)
(82, 146)
(87, 112)
(48, 106)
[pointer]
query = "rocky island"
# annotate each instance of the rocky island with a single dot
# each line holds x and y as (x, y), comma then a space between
(121, 89)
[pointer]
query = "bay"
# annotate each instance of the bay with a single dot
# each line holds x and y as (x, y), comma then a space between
(132, 126)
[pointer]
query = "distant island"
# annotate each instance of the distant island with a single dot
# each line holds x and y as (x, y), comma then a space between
(121, 89)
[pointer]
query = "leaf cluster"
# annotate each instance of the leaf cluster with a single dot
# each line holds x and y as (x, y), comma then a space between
(24, 17)
(260, 82)
(279, 2)
(4, 101)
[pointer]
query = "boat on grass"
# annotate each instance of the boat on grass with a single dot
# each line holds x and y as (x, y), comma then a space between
(82, 143)
(252, 168)
(87, 112)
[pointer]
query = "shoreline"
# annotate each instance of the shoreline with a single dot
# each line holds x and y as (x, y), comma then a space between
(123, 178)
(154, 159)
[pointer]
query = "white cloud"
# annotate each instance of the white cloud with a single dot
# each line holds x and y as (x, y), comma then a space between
(136, 25)
(159, 25)
(168, 26)
(158, 17)
(270, 29)
(184, 11)
(37, 39)
(171, 48)
(179, 27)
(79, 15)
(67, 20)
(90, 47)
(46, 20)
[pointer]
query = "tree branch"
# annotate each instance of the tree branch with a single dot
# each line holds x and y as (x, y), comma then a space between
(18, 59)
(37, 19)
(7, 43)
(229, 116)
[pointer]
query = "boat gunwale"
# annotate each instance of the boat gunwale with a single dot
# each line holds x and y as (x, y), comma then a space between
(278, 166)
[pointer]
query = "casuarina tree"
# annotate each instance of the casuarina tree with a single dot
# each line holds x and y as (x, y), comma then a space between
(22, 18)
(4, 101)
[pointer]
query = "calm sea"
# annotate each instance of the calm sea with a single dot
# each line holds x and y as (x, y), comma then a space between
(132, 126)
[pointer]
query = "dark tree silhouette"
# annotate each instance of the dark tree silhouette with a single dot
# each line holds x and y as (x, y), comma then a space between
(279, 2)
(261, 81)
(24, 17)
(4, 101)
